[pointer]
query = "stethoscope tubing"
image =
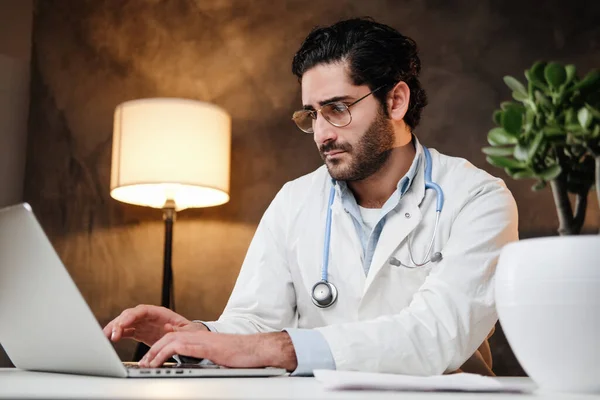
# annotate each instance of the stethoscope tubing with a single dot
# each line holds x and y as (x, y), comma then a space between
(324, 269)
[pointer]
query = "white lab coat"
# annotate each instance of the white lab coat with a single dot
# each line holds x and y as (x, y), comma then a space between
(422, 321)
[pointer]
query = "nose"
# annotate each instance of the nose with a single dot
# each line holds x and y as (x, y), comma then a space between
(323, 131)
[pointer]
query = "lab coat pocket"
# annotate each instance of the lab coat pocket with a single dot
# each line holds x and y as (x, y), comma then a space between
(405, 278)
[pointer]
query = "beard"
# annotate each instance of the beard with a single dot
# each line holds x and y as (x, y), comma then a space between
(367, 157)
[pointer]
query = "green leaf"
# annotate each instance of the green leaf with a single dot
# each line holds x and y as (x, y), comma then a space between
(543, 100)
(584, 117)
(536, 82)
(537, 72)
(530, 89)
(535, 145)
(595, 112)
(555, 74)
(596, 132)
(499, 137)
(512, 121)
(538, 186)
(551, 173)
(570, 117)
(498, 151)
(573, 128)
(570, 70)
(553, 131)
(524, 174)
(496, 117)
(512, 171)
(505, 105)
(519, 96)
(528, 124)
(521, 153)
(590, 79)
(515, 85)
(503, 162)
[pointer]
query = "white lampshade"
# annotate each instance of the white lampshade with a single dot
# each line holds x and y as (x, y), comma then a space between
(171, 149)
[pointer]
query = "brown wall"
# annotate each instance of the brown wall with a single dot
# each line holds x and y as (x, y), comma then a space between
(15, 51)
(91, 55)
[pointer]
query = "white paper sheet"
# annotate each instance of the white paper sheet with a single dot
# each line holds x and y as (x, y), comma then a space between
(338, 380)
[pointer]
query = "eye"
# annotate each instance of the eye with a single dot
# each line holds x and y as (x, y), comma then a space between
(338, 107)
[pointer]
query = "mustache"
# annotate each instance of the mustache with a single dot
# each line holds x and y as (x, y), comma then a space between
(331, 146)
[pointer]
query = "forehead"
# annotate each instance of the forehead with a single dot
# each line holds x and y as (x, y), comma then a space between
(325, 81)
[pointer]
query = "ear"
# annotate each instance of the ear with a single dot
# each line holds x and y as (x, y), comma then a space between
(398, 100)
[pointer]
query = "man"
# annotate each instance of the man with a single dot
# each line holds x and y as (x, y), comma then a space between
(415, 297)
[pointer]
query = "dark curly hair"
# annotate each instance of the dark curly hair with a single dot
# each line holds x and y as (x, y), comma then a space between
(377, 55)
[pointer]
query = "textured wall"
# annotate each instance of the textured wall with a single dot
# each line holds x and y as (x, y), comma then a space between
(91, 55)
(15, 50)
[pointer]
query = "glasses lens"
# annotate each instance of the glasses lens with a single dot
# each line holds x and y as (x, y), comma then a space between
(337, 114)
(304, 120)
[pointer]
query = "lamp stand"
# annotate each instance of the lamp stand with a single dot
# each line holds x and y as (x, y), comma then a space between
(169, 215)
(167, 299)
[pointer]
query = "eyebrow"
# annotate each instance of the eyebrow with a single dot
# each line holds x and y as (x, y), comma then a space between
(327, 101)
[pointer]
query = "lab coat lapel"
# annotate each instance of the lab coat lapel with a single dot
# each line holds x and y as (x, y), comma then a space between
(346, 250)
(399, 224)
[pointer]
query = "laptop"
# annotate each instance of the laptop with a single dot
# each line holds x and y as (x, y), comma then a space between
(45, 323)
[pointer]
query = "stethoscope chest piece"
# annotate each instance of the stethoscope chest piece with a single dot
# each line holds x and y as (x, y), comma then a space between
(324, 294)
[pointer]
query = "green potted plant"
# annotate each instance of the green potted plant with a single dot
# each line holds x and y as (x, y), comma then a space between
(551, 133)
(546, 288)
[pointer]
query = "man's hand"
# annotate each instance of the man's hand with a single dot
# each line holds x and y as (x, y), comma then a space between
(148, 324)
(236, 351)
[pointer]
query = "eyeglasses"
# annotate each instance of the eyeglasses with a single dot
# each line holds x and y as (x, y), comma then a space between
(337, 113)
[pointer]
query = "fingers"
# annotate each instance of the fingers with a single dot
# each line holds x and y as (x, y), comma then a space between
(157, 354)
(133, 315)
(116, 333)
(128, 333)
(150, 323)
(111, 327)
(185, 343)
(115, 330)
(167, 352)
(108, 329)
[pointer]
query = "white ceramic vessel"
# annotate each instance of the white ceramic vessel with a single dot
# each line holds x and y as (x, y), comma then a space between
(548, 301)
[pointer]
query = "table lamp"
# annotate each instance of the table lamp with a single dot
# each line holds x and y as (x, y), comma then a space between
(171, 154)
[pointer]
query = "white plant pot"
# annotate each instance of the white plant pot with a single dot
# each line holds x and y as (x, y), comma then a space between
(548, 301)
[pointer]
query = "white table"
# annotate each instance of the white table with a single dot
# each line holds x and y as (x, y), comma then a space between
(22, 384)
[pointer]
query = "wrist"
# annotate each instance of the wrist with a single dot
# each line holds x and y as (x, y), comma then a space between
(201, 325)
(280, 351)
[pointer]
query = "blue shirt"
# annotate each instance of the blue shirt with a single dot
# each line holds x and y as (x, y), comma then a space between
(312, 350)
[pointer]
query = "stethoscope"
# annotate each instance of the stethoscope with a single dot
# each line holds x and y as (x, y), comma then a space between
(324, 293)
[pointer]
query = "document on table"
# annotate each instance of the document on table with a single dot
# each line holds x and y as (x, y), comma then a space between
(374, 381)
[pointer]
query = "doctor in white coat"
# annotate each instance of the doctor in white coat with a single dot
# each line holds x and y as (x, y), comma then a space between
(381, 260)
